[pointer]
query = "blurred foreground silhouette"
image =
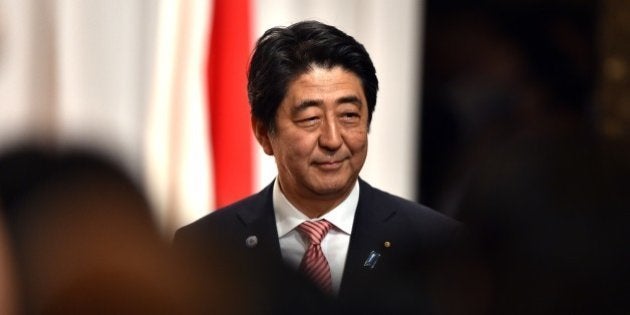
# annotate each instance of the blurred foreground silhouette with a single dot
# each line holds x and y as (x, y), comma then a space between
(511, 148)
(552, 216)
(83, 239)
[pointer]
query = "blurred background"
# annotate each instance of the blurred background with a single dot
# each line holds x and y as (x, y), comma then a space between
(524, 137)
(511, 116)
(134, 80)
(498, 71)
(160, 87)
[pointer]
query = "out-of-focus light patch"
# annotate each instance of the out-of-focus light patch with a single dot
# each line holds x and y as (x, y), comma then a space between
(177, 157)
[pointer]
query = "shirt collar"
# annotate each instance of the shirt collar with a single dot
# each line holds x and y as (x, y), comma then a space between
(288, 217)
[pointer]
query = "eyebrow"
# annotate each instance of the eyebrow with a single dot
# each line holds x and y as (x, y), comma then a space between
(350, 99)
(315, 103)
(305, 104)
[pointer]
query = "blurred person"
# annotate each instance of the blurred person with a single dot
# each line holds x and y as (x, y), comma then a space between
(312, 91)
(8, 298)
(22, 169)
(85, 240)
(509, 100)
(495, 72)
(552, 213)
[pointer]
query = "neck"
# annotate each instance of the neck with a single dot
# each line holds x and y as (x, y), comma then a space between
(315, 208)
(313, 205)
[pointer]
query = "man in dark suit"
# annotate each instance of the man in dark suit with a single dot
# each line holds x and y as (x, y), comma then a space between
(318, 236)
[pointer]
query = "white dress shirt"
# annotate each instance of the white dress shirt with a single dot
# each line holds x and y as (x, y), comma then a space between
(335, 243)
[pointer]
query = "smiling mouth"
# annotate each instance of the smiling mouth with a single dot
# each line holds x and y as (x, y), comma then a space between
(329, 166)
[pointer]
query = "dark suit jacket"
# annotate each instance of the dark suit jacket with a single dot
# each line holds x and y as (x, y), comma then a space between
(403, 279)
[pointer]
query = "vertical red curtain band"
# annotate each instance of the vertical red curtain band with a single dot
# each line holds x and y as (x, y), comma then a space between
(230, 131)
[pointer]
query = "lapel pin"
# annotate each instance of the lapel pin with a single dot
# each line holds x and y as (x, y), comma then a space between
(371, 260)
(251, 241)
(387, 244)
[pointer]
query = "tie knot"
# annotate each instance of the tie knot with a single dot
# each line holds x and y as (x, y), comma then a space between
(314, 230)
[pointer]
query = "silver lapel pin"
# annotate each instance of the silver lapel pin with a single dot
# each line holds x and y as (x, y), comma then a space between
(251, 241)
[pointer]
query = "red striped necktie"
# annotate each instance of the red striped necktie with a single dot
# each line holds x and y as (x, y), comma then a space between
(314, 264)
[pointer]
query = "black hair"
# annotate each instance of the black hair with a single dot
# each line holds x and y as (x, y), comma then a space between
(284, 53)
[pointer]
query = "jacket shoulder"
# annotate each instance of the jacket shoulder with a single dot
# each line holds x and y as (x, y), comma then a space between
(420, 217)
(413, 209)
(225, 220)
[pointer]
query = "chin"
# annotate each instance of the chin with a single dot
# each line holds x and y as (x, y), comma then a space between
(332, 187)
(325, 191)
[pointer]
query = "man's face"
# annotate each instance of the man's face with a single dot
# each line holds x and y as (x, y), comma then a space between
(320, 139)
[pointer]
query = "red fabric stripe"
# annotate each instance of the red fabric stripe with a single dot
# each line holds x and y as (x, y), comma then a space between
(230, 130)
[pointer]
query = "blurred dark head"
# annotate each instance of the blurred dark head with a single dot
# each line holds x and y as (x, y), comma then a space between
(84, 236)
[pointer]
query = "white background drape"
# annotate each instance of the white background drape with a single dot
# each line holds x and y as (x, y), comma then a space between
(126, 77)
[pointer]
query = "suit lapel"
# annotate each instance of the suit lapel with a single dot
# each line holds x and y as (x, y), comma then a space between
(369, 234)
(259, 223)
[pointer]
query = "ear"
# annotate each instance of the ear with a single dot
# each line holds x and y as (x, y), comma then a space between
(262, 135)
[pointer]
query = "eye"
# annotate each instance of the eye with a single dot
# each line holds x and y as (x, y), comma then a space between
(350, 117)
(308, 121)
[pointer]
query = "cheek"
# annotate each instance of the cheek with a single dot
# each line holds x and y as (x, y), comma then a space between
(293, 148)
(357, 141)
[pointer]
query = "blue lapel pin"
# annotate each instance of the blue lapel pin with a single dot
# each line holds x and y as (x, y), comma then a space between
(371, 260)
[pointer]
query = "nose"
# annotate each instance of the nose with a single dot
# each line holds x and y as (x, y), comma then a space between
(330, 137)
